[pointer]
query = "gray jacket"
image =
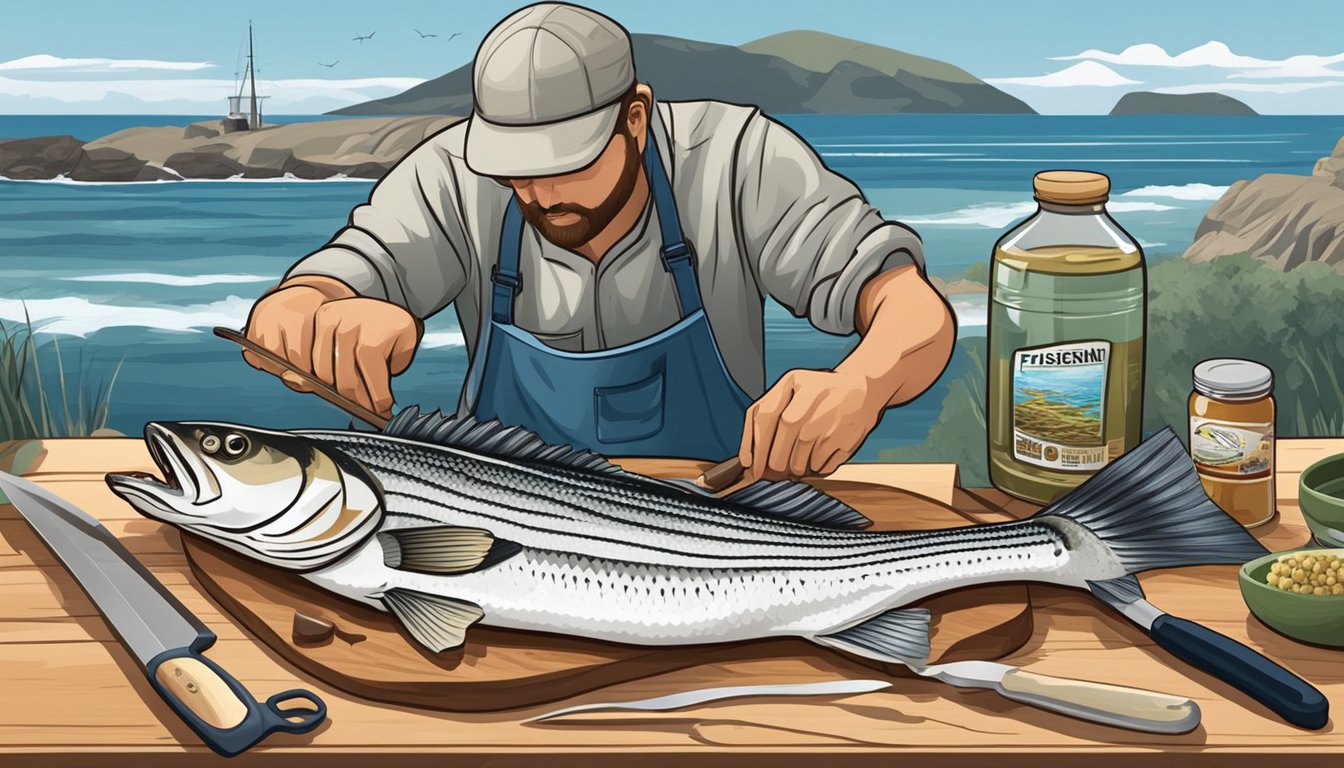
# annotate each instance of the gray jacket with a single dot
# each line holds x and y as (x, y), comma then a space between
(763, 214)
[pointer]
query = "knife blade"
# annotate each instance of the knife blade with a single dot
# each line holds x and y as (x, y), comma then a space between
(166, 638)
(1289, 696)
(1131, 708)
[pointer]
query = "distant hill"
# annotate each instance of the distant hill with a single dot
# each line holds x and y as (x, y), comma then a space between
(788, 73)
(1147, 103)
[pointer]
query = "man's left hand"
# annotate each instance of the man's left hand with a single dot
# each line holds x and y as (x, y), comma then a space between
(809, 423)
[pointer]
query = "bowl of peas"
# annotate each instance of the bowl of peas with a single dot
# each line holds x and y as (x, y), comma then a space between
(1298, 593)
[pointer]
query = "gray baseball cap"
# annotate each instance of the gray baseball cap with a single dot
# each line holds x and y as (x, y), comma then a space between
(547, 84)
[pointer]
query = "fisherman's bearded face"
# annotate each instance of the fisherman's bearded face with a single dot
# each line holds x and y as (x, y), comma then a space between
(571, 210)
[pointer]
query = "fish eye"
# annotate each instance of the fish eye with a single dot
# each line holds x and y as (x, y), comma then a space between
(235, 444)
(210, 443)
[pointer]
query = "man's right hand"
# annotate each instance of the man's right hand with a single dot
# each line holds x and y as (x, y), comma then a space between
(352, 343)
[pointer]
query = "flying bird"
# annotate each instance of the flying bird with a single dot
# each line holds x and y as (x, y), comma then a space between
(332, 64)
(455, 34)
(362, 38)
(424, 35)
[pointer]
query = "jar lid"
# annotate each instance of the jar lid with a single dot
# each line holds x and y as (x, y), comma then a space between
(1234, 378)
(1071, 187)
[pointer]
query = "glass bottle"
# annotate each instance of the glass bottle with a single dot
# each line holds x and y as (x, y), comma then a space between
(1067, 321)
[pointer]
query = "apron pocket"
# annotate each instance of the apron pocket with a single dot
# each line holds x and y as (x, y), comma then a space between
(631, 411)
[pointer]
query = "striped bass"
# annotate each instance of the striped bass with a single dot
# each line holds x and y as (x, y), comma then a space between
(445, 521)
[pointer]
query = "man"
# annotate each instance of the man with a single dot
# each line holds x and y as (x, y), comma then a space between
(608, 257)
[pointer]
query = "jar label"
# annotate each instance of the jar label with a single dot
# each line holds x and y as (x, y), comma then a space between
(1232, 447)
(1059, 401)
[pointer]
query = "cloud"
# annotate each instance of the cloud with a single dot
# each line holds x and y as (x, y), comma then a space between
(201, 91)
(1087, 73)
(1216, 54)
(46, 62)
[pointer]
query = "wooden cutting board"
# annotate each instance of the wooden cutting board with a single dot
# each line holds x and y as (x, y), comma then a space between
(497, 669)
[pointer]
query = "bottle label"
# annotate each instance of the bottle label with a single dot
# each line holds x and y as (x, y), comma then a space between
(1059, 401)
(1232, 447)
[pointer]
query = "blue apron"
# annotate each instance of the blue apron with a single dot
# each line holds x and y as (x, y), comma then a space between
(667, 395)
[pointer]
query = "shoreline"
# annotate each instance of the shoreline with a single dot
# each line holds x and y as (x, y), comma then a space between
(360, 149)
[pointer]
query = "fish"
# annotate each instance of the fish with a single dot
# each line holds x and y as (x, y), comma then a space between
(445, 521)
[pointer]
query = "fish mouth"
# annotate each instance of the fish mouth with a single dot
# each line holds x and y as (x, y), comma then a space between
(179, 479)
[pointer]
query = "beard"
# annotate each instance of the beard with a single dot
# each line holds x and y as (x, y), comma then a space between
(591, 220)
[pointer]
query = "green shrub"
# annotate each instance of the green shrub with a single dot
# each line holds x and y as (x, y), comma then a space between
(27, 410)
(978, 272)
(1236, 306)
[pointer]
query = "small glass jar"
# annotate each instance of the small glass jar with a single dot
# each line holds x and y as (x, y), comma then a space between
(1232, 437)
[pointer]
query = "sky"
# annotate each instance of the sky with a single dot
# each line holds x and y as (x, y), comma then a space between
(180, 57)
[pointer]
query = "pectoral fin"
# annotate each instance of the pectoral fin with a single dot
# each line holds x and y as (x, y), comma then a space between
(438, 623)
(443, 549)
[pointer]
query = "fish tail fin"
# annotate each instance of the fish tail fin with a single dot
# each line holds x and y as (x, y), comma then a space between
(1150, 510)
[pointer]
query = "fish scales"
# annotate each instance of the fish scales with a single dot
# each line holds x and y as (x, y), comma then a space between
(445, 521)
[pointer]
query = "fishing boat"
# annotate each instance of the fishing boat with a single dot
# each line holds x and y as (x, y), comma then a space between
(238, 119)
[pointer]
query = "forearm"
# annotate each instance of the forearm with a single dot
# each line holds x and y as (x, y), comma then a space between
(908, 333)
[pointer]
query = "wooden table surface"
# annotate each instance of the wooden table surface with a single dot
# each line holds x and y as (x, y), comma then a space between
(71, 696)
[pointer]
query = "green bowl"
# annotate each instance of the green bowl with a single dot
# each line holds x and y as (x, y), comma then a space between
(1320, 492)
(1315, 619)
(1327, 535)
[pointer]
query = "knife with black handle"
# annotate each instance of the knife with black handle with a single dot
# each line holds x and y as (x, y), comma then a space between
(1289, 696)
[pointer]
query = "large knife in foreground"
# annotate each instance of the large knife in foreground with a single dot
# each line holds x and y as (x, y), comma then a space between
(1289, 696)
(158, 630)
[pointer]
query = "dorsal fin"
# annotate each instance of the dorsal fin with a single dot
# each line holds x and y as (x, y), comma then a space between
(492, 439)
(799, 502)
(784, 500)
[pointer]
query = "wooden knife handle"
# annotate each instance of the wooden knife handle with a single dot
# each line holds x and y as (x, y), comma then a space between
(721, 475)
(219, 709)
(1101, 702)
(320, 389)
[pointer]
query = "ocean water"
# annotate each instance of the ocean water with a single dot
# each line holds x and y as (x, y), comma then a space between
(136, 274)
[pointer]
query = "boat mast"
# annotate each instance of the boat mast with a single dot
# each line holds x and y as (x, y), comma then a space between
(255, 121)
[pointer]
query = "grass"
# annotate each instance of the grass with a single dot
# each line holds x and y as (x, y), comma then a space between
(27, 409)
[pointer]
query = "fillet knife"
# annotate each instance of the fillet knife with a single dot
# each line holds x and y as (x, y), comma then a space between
(166, 638)
(1131, 708)
(1289, 696)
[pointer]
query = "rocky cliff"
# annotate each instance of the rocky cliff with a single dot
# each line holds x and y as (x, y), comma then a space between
(364, 148)
(1282, 219)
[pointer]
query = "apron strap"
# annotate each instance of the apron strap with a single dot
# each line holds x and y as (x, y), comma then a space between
(505, 275)
(676, 254)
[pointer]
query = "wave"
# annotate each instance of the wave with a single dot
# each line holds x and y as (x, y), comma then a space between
(174, 280)
(998, 216)
(288, 178)
(76, 316)
(1179, 191)
(443, 339)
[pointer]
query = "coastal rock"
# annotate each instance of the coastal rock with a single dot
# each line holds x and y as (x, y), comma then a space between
(43, 157)
(1209, 103)
(1331, 168)
(365, 148)
(1282, 219)
(107, 164)
(206, 130)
